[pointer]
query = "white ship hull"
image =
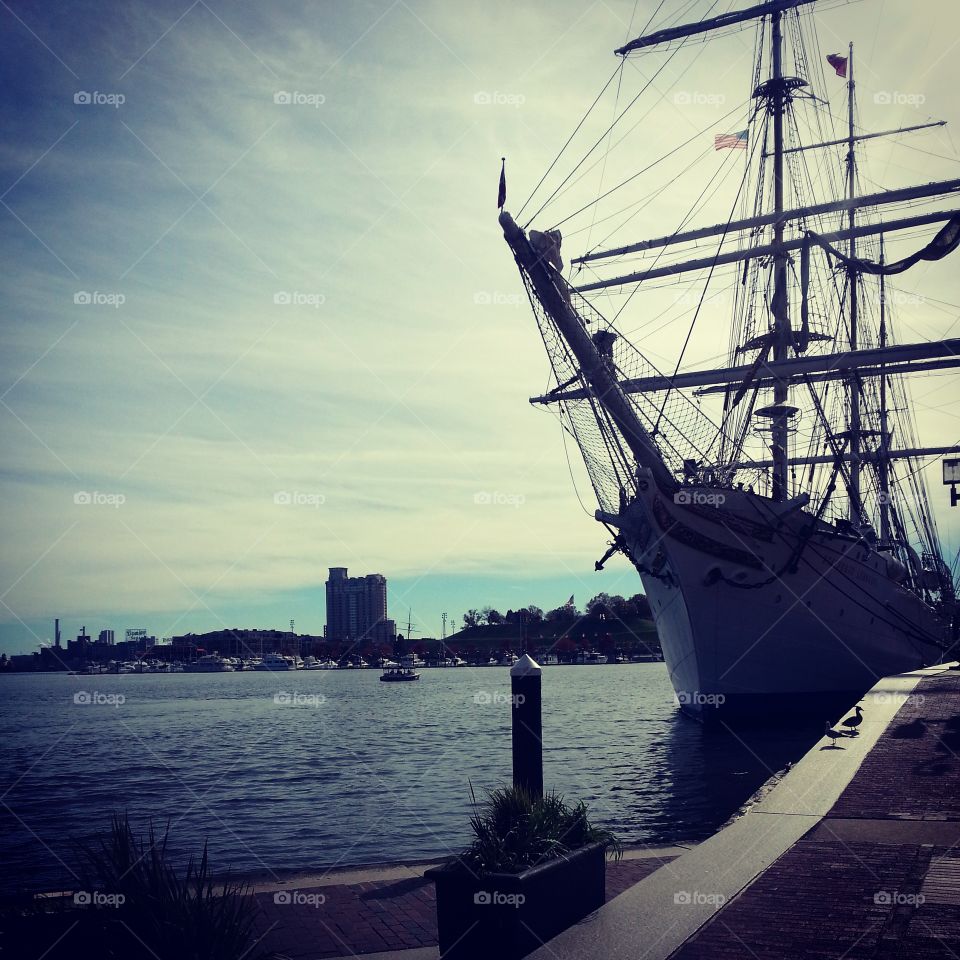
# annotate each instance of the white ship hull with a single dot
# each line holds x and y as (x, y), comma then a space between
(748, 613)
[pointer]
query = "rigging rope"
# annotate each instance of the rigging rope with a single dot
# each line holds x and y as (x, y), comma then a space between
(619, 69)
(696, 314)
(650, 166)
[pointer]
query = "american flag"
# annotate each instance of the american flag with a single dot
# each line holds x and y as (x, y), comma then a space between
(730, 141)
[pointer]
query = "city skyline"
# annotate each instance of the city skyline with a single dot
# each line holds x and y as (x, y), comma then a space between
(502, 598)
(266, 331)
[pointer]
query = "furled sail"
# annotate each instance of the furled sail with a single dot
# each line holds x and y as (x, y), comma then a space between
(945, 242)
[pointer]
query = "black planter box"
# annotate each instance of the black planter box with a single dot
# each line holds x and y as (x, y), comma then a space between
(508, 915)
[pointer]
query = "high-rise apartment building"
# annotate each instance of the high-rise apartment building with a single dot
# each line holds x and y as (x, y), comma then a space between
(357, 608)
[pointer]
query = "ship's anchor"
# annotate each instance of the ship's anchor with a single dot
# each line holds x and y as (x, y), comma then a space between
(616, 544)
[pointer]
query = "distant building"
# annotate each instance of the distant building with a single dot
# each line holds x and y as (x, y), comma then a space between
(357, 608)
(135, 634)
(236, 642)
(106, 636)
(23, 661)
(78, 649)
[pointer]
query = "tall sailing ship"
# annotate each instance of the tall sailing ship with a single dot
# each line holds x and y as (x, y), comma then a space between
(775, 508)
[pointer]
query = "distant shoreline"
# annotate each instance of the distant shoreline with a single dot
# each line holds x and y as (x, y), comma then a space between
(283, 673)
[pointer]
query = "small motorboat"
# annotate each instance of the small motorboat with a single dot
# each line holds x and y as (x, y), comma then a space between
(400, 673)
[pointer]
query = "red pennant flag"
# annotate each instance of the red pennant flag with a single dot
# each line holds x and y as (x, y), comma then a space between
(838, 63)
(502, 192)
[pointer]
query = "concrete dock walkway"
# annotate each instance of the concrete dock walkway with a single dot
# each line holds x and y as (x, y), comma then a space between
(854, 854)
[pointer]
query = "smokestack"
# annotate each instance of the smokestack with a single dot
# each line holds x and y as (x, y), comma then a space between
(56, 632)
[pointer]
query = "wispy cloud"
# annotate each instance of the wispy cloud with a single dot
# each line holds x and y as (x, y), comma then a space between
(273, 267)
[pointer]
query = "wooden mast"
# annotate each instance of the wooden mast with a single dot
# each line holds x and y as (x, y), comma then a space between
(782, 335)
(883, 457)
(853, 275)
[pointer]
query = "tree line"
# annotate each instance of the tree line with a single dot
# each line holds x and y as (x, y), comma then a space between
(602, 607)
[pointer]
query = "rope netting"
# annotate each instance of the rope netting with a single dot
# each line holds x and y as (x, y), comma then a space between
(679, 428)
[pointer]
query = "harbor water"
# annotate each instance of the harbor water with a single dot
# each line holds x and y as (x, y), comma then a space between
(283, 773)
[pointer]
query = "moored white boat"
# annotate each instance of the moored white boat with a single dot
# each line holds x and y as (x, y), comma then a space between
(276, 661)
(209, 663)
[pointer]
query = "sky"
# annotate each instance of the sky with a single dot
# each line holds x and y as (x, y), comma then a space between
(259, 319)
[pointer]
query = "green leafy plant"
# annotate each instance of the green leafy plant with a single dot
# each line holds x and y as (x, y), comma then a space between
(172, 914)
(515, 829)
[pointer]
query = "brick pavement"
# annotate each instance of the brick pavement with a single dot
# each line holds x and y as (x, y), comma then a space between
(379, 915)
(879, 877)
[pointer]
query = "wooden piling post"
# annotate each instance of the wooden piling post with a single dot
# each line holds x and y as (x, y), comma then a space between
(527, 724)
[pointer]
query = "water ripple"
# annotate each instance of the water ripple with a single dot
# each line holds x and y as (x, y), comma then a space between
(367, 775)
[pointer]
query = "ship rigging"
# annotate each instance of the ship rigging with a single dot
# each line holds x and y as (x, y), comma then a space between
(806, 484)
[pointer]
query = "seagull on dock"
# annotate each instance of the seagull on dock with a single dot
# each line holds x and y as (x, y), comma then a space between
(834, 736)
(853, 721)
